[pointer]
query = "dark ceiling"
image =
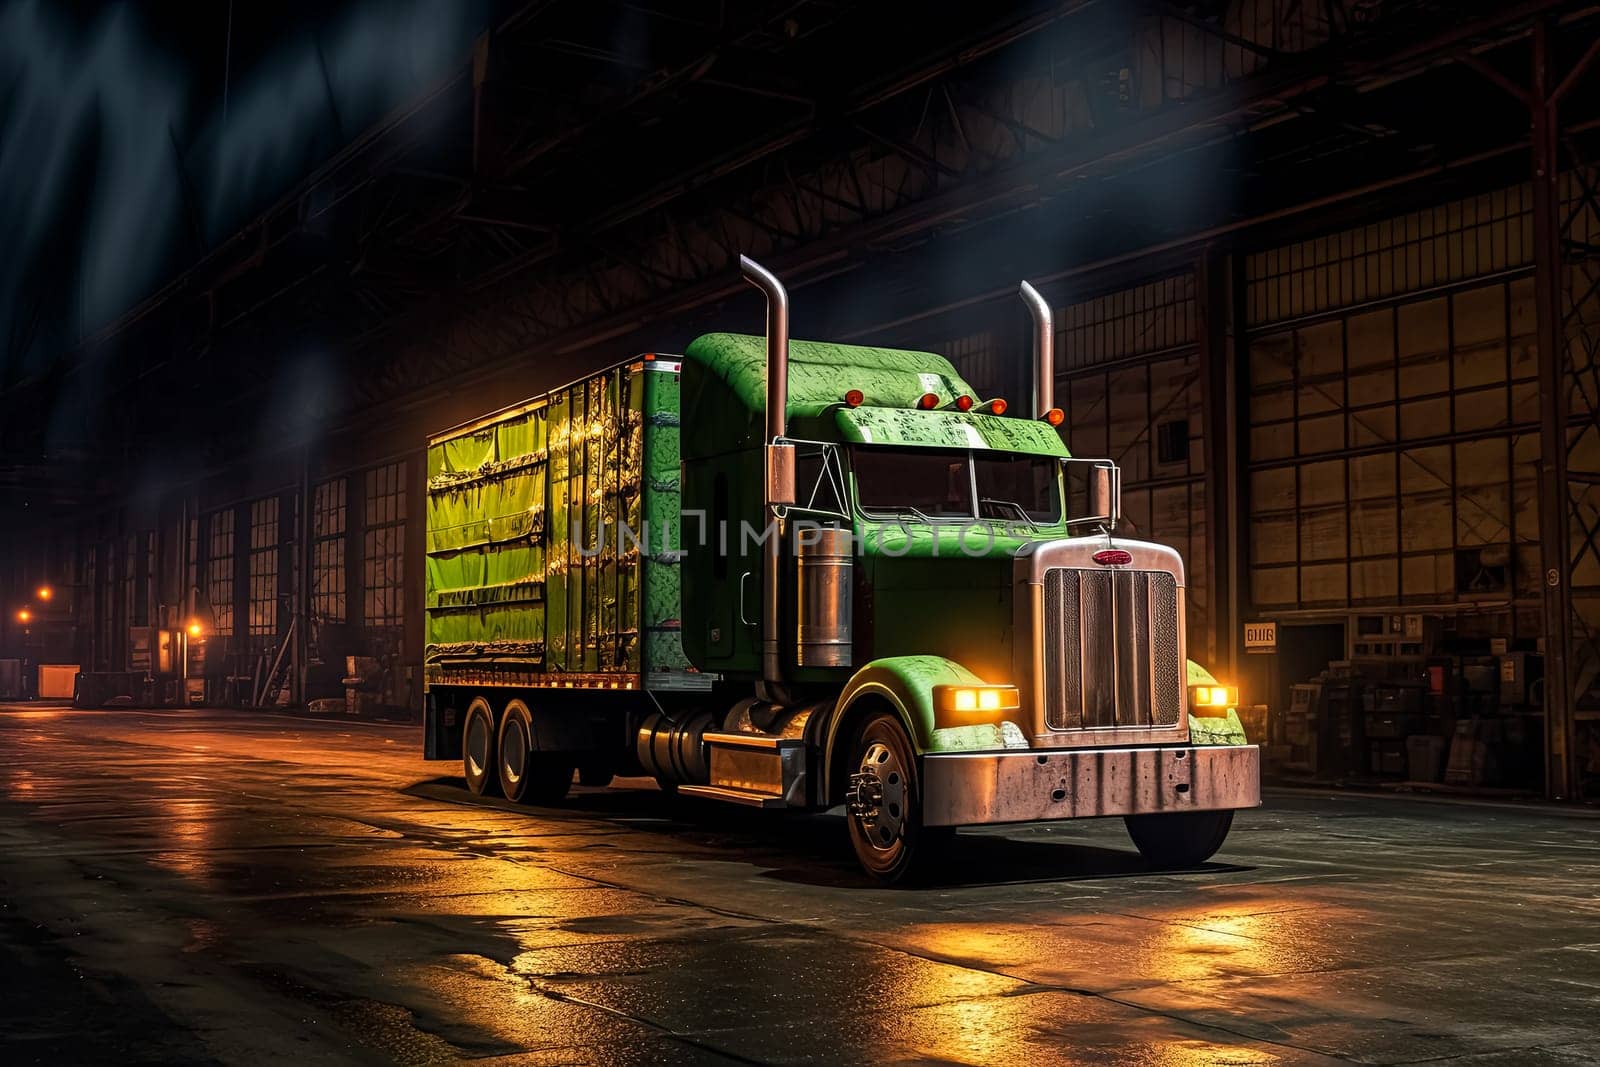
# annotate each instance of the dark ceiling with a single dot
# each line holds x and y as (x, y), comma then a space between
(587, 173)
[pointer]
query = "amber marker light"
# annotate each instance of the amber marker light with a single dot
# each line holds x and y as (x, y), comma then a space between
(929, 401)
(976, 698)
(44, 592)
(854, 398)
(1212, 700)
(963, 403)
(997, 406)
(1055, 417)
(24, 615)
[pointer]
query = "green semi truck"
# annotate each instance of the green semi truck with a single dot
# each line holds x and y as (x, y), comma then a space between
(802, 575)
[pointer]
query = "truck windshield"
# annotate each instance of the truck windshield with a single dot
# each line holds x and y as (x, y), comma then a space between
(957, 485)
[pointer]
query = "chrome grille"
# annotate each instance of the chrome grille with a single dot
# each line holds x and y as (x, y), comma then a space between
(1111, 649)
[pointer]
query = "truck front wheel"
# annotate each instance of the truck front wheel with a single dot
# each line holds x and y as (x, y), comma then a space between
(478, 748)
(1179, 839)
(883, 804)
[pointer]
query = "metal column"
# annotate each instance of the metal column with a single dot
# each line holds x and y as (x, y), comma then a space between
(1560, 776)
(1219, 414)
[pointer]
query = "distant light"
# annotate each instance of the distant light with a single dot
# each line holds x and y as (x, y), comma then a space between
(929, 401)
(195, 630)
(24, 615)
(44, 592)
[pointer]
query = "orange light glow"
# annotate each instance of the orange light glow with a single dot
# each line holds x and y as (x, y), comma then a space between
(963, 403)
(24, 615)
(929, 401)
(854, 398)
(44, 592)
(1055, 416)
(195, 629)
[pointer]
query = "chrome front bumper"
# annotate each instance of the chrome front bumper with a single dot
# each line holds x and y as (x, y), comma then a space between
(965, 789)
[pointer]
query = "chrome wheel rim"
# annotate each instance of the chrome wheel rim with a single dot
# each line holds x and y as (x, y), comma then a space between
(878, 796)
(478, 745)
(514, 754)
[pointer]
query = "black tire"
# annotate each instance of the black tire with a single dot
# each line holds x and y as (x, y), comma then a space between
(1179, 839)
(526, 775)
(479, 749)
(550, 778)
(886, 830)
(595, 771)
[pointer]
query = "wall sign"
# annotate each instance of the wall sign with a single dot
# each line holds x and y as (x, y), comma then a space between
(1261, 637)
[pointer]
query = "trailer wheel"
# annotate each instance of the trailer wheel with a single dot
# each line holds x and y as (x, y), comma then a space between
(478, 748)
(526, 774)
(1179, 839)
(883, 805)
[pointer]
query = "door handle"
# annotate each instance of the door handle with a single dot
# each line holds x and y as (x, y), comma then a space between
(742, 579)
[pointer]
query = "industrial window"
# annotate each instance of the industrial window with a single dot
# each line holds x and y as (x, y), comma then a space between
(1394, 454)
(138, 567)
(1436, 246)
(264, 567)
(130, 567)
(1172, 442)
(191, 565)
(1119, 407)
(328, 523)
(1156, 317)
(105, 569)
(383, 546)
(219, 571)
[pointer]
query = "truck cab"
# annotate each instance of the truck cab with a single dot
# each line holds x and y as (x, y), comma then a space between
(952, 599)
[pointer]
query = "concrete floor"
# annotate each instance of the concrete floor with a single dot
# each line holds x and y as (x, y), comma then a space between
(198, 886)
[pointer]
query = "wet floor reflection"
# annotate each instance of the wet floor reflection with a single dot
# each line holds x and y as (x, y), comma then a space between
(416, 924)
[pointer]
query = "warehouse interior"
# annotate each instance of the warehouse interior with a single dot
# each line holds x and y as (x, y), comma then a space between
(1326, 279)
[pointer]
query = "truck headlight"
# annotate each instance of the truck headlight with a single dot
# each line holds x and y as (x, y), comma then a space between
(976, 698)
(1212, 700)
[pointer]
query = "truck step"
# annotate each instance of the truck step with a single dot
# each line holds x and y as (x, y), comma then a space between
(732, 796)
(758, 765)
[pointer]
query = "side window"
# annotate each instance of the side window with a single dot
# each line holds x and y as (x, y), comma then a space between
(719, 524)
(819, 480)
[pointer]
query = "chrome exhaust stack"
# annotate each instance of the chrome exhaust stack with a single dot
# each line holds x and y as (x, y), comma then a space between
(1044, 351)
(778, 487)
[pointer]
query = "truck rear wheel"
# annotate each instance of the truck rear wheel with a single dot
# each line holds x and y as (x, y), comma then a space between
(883, 804)
(527, 775)
(1179, 839)
(478, 748)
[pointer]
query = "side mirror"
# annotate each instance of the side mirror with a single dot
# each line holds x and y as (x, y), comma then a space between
(780, 475)
(1105, 492)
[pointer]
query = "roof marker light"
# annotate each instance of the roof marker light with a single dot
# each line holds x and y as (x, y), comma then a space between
(963, 403)
(854, 398)
(1055, 417)
(929, 401)
(997, 406)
